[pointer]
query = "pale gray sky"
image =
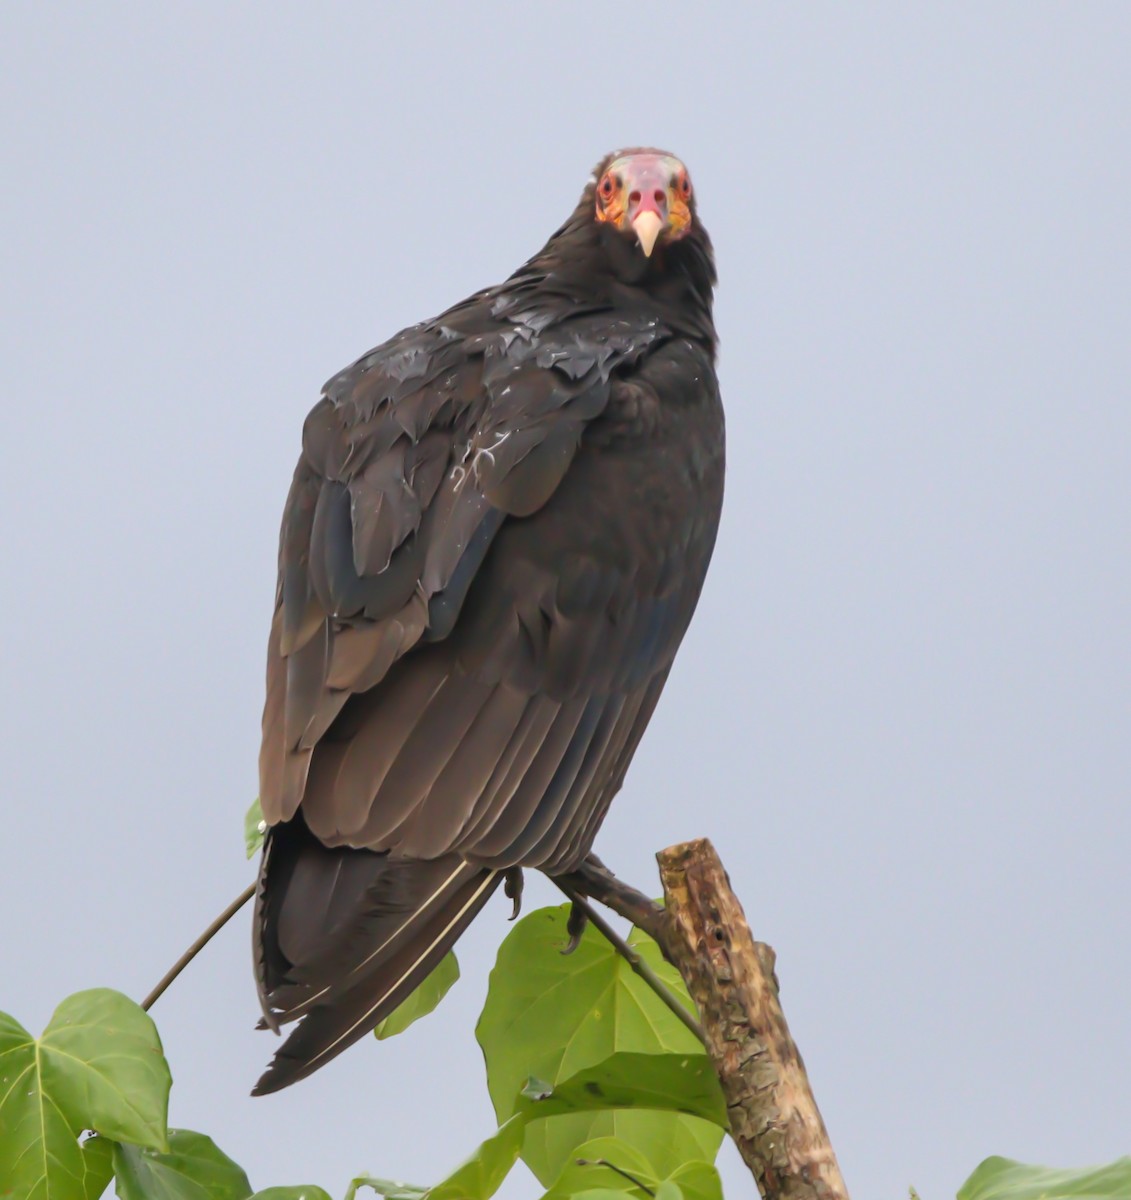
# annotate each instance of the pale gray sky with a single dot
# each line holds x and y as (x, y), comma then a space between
(903, 709)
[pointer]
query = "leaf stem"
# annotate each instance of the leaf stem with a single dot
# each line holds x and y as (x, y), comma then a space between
(198, 945)
(633, 959)
(604, 1162)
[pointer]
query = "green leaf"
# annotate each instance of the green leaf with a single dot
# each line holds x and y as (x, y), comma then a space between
(620, 1079)
(697, 1181)
(627, 1079)
(292, 1193)
(483, 1173)
(691, 1181)
(1004, 1179)
(97, 1066)
(254, 828)
(586, 1171)
(423, 1000)
(193, 1168)
(388, 1188)
(604, 1193)
(98, 1166)
(100, 1057)
(550, 1015)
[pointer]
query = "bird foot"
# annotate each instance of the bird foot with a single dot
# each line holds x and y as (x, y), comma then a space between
(512, 889)
(596, 882)
(575, 927)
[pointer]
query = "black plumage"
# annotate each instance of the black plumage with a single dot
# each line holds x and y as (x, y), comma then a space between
(495, 539)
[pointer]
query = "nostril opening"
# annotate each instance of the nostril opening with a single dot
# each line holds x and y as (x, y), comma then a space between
(634, 197)
(660, 198)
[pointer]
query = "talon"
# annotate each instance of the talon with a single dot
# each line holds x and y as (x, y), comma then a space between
(512, 889)
(575, 927)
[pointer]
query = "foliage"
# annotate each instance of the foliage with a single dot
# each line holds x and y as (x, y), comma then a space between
(549, 1015)
(254, 829)
(1003, 1179)
(423, 1000)
(595, 1084)
(193, 1168)
(302, 1192)
(634, 1089)
(98, 1065)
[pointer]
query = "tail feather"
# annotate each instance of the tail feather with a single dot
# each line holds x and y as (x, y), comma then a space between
(357, 964)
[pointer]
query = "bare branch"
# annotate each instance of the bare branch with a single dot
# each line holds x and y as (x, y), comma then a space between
(773, 1117)
(198, 945)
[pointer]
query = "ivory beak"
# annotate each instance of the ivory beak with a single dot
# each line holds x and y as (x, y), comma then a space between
(647, 228)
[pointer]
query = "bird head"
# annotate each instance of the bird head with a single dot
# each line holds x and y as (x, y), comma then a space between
(646, 195)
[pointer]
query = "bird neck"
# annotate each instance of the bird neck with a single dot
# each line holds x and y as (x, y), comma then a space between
(594, 266)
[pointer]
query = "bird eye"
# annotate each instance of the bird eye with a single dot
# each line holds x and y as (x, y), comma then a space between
(685, 187)
(607, 186)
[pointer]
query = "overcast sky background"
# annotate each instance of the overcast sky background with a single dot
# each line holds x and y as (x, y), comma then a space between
(903, 711)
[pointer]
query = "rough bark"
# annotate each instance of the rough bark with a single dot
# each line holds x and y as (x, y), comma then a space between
(774, 1118)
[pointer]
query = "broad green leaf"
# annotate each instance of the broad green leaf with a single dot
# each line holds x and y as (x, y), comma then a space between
(100, 1057)
(97, 1066)
(697, 1181)
(388, 1188)
(586, 1171)
(193, 1168)
(292, 1193)
(620, 1079)
(551, 1015)
(98, 1166)
(664, 1082)
(604, 1193)
(483, 1173)
(1004, 1179)
(691, 1181)
(254, 828)
(423, 1000)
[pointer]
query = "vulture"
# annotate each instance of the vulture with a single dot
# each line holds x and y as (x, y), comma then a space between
(494, 541)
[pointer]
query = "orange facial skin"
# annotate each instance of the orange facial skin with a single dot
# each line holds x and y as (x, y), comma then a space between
(647, 194)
